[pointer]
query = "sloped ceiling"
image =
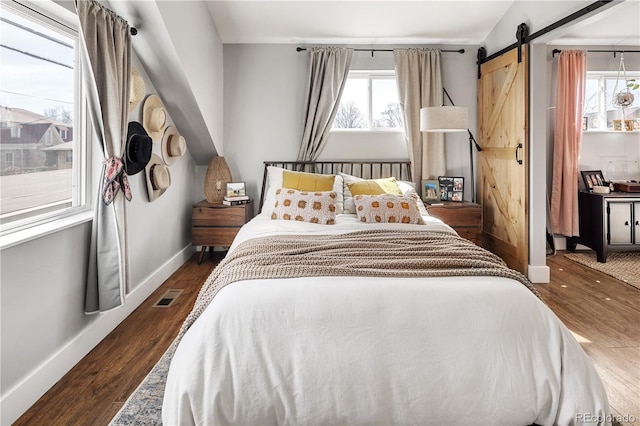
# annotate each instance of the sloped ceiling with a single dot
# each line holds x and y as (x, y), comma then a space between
(178, 41)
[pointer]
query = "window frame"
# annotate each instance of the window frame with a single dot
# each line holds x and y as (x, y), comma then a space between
(370, 75)
(57, 17)
(602, 77)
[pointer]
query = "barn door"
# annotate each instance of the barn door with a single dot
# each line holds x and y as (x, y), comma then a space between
(503, 128)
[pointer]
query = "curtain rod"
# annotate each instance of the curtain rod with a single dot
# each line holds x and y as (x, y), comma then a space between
(301, 49)
(554, 51)
(132, 30)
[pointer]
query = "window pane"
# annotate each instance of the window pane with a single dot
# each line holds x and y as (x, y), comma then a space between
(615, 112)
(598, 108)
(369, 101)
(37, 93)
(353, 110)
(384, 103)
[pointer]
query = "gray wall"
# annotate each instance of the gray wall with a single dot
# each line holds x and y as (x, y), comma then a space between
(264, 95)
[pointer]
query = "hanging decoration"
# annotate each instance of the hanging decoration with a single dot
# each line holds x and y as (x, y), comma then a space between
(623, 98)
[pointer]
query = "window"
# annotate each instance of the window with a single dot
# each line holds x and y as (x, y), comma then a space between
(599, 112)
(369, 102)
(40, 91)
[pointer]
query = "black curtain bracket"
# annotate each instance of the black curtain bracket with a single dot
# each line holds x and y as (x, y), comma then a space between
(482, 53)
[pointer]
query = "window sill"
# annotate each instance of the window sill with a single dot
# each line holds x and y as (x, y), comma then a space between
(40, 230)
(379, 130)
(586, 132)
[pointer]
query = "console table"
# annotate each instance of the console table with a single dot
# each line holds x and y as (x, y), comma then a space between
(608, 223)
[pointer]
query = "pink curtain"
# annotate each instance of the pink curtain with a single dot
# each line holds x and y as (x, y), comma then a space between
(571, 76)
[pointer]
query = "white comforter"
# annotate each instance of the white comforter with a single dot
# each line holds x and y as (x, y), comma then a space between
(436, 351)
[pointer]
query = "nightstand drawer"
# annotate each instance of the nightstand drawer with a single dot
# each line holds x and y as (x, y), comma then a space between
(457, 214)
(221, 237)
(472, 234)
(220, 216)
(464, 217)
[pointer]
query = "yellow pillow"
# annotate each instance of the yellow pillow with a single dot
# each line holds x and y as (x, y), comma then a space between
(375, 187)
(307, 181)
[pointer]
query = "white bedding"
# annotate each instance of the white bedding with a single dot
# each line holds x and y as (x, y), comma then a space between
(428, 351)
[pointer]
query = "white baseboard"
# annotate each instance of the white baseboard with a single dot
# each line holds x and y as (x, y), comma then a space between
(539, 274)
(17, 401)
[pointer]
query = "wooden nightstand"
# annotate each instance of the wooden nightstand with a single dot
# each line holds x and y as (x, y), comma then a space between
(217, 224)
(465, 217)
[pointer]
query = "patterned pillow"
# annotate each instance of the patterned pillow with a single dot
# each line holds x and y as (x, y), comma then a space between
(275, 182)
(383, 186)
(387, 208)
(313, 207)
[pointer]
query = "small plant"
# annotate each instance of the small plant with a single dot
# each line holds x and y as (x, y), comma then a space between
(632, 85)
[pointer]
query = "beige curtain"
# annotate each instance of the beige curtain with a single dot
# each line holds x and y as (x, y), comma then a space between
(419, 76)
(327, 75)
(567, 136)
(106, 48)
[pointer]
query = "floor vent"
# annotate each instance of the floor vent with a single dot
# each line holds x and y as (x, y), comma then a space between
(167, 299)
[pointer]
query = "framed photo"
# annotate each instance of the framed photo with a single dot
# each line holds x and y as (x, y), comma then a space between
(628, 125)
(430, 190)
(585, 123)
(592, 178)
(617, 125)
(235, 189)
(451, 188)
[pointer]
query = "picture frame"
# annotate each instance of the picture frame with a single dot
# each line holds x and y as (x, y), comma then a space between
(592, 178)
(585, 123)
(628, 125)
(430, 190)
(235, 189)
(451, 188)
(617, 125)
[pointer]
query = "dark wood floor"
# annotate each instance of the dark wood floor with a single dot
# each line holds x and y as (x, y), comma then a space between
(603, 313)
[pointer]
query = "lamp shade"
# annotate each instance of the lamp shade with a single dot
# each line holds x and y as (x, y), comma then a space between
(443, 119)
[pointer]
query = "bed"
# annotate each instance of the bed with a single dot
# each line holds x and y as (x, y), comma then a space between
(354, 322)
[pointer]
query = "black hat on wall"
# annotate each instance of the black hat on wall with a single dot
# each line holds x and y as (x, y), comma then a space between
(137, 152)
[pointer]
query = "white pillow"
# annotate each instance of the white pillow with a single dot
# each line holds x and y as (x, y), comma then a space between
(405, 186)
(274, 182)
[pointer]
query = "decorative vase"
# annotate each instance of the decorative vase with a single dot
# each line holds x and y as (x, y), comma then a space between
(216, 179)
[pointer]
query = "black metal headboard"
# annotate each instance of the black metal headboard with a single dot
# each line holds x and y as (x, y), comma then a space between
(368, 169)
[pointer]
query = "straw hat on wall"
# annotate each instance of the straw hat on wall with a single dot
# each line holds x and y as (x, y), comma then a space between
(158, 177)
(136, 90)
(173, 145)
(154, 117)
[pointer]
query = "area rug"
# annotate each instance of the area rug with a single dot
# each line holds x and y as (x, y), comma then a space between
(144, 406)
(623, 266)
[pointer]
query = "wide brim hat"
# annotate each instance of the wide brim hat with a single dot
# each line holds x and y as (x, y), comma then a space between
(173, 145)
(158, 177)
(137, 150)
(136, 90)
(154, 117)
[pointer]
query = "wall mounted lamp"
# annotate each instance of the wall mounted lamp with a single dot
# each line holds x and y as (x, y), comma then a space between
(447, 119)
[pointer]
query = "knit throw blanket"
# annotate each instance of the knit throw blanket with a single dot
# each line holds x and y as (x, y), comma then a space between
(375, 253)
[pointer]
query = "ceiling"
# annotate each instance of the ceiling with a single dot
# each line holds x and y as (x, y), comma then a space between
(399, 22)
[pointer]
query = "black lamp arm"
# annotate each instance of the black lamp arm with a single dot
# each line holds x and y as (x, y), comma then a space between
(472, 139)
